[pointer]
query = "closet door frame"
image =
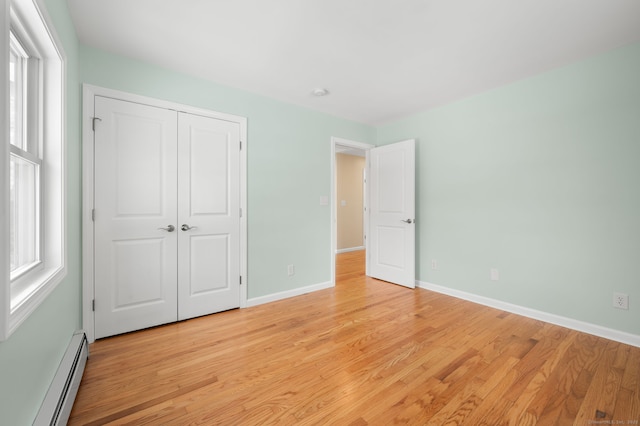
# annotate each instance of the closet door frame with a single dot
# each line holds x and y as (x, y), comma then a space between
(88, 96)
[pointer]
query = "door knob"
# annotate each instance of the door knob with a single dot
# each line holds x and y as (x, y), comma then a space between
(169, 228)
(408, 220)
(186, 227)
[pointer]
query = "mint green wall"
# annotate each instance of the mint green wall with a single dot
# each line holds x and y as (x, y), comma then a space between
(30, 357)
(540, 180)
(536, 179)
(289, 155)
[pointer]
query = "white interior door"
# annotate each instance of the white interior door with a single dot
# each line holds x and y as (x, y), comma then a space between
(392, 213)
(135, 198)
(208, 215)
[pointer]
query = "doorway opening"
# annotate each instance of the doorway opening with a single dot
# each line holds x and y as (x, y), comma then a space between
(349, 199)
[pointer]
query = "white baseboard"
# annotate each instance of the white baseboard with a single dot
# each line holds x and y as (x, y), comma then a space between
(289, 293)
(585, 327)
(346, 250)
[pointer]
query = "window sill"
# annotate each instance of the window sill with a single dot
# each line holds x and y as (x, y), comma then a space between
(30, 291)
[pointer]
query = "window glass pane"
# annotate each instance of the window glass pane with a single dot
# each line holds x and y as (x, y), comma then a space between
(17, 93)
(13, 64)
(23, 214)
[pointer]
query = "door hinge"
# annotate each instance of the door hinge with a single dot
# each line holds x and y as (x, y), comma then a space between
(93, 305)
(93, 215)
(240, 145)
(93, 122)
(240, 279)
(240, 211)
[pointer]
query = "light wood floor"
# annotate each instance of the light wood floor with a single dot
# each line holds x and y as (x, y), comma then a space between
(363, 353)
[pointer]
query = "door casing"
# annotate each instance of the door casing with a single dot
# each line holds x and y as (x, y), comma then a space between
(89, 93)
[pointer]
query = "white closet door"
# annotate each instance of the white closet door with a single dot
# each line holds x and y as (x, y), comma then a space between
(208, 215)
(136, 196)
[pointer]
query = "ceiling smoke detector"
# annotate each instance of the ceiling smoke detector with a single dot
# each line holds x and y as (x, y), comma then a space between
(319, 92)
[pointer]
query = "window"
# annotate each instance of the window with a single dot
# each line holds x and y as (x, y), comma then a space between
(24, 160)
(32, 188)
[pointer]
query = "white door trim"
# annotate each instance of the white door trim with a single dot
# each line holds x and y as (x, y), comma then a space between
(88, 95)
(332, 199)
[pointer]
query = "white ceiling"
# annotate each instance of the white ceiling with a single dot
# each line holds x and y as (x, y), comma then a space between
(380, 59)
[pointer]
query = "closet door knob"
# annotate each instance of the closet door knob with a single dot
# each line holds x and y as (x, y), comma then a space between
(186, 227)
(169, 228)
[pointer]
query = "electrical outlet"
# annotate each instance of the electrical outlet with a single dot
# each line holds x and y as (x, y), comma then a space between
(290, 270)
(494, 274)
(434, 264)
(620, 301)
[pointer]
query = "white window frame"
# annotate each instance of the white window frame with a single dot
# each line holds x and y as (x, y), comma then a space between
(20, 297)
(30, 133)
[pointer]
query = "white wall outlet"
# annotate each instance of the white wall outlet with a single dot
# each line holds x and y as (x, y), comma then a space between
(620, 301)
(290, 270)
(434, 264)
(494, 274)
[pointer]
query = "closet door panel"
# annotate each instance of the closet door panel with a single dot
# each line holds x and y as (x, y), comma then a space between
(136, 197)
(208, 215)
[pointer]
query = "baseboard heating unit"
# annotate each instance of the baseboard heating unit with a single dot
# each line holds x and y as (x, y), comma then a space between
(57, 404)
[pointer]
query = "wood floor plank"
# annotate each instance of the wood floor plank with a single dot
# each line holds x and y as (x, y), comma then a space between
(363, 353)
(603, 388)
(550, 351)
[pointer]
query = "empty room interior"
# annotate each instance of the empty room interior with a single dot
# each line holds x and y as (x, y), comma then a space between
(320, 212)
